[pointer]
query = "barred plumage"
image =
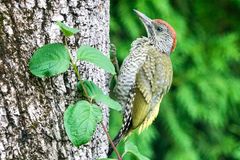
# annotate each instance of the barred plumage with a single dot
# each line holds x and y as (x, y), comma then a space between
(145, 76)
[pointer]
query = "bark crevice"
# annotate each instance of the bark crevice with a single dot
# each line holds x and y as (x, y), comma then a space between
(31, 109)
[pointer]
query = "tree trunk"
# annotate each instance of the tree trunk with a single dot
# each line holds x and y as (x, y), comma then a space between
(31, 109)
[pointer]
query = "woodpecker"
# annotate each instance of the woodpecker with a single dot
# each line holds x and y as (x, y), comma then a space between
(145, 76)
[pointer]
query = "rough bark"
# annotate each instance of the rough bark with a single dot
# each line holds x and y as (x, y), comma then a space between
(31, 109)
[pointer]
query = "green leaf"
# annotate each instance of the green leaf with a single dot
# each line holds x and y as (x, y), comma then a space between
(91, 87)
(107, 159)
(94, 92)
(108, 101)
(80, 121)
(67, 31)
(131, 148)
(89, 54)
(49, 60)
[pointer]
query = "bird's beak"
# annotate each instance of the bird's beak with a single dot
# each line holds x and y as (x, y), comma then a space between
(146, 21)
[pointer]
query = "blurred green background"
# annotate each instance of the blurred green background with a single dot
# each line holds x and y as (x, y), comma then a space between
(199, 118)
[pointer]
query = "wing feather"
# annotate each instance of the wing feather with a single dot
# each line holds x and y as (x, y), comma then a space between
(152, 82)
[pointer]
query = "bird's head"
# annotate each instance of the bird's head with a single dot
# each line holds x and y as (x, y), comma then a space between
(160, 32)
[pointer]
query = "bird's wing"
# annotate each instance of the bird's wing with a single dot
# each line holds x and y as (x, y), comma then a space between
(152, 82)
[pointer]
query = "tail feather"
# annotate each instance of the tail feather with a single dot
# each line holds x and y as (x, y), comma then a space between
(126, 126)
(121, 134)
(127, 120)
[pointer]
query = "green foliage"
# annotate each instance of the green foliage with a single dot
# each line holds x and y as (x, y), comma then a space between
(131, 148)
(80, 121)
(95, 93)
(199, 117)
(67, 31)
(49, 60)
(89, 54)
(107, 159)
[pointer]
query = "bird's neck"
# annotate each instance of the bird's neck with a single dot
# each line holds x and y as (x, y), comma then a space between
(163, 45)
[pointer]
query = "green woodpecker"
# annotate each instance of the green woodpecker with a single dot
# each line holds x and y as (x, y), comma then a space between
(145, 76)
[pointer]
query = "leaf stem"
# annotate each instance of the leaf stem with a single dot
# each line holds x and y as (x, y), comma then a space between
(111, 142)
(76, 71)
(75, 68)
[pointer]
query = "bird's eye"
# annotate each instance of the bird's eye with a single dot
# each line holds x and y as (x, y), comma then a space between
(159, 29)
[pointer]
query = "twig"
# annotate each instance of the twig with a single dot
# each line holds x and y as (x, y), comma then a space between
(113, 57)
(111, 142)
